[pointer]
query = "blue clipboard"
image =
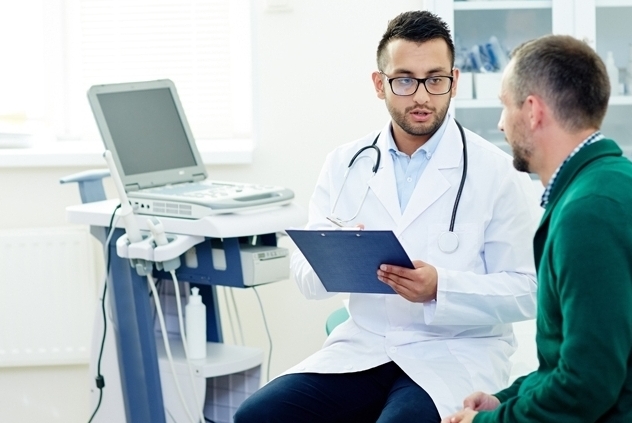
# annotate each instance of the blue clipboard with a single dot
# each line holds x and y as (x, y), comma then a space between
(347, 261)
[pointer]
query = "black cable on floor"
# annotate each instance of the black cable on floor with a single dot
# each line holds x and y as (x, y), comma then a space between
(99, 378)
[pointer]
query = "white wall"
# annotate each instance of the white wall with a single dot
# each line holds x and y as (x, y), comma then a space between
(313, 92)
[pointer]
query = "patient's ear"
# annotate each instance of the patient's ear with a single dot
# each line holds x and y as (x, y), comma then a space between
(537, 111)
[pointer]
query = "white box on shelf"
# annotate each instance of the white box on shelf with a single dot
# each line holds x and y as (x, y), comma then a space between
(465, 86)
(487, 85)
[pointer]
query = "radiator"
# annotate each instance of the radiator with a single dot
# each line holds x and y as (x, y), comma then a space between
(48, 295)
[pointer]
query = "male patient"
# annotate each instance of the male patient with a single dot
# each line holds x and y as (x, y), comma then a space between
(411, 356)
(555, 94)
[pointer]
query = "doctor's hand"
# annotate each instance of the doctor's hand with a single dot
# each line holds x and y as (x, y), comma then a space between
(417, 285)
(358, 227)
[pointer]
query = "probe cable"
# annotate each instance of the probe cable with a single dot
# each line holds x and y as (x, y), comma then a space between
(184, 344)
(163, 330)
(265, 324)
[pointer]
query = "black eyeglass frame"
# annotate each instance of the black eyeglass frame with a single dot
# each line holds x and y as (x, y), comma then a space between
(420, 81)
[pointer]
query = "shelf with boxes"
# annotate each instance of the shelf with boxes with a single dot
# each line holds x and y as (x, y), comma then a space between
(462, 103)
(506, 4)
(479, 24)
(482, 48)
(484, 33)
(613, 42)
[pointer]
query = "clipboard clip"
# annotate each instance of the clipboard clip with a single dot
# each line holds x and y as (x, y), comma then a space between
(336, 221)
(341, 224)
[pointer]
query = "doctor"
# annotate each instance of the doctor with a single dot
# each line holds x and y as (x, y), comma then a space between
(412, 357)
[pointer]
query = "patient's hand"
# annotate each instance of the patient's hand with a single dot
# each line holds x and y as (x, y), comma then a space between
(478, 401)
(464, 416)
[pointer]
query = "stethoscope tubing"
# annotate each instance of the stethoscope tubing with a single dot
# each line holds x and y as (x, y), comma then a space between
(373, 146)
(362, 150)
(463, 176)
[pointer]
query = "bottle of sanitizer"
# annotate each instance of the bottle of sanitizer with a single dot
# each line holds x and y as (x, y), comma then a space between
(613, 74)
(195, 319)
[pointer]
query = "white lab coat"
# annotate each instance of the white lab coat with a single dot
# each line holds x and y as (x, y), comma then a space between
(462, 341)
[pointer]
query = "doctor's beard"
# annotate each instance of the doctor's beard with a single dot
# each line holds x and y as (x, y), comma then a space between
(417, 129)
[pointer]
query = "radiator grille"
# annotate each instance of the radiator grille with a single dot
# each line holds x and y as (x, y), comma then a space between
(48, 295)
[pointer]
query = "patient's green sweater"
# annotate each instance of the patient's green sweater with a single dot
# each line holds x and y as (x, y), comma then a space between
(583, 253)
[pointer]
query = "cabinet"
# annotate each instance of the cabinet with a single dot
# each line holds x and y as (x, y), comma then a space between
(612, 31)
(604, 24)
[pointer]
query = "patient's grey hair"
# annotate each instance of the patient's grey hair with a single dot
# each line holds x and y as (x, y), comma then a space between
(568, 74)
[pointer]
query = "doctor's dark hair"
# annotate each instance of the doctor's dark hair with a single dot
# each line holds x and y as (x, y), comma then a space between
(418, 27)
(568, 74)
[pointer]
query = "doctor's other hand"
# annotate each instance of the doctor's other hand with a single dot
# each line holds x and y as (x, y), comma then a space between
(464, 416)
(417, 285)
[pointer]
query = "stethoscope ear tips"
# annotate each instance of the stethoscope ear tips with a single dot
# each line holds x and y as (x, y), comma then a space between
(448, 242)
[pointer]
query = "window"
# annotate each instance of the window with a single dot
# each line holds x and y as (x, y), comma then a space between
(59, 48)
(21, 45)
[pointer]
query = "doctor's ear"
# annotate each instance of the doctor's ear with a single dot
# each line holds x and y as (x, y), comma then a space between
(378, 83)
(455, 82)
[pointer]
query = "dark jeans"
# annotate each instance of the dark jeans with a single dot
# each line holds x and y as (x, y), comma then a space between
(383, 394)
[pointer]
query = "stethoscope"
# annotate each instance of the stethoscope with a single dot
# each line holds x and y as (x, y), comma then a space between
(448, 241)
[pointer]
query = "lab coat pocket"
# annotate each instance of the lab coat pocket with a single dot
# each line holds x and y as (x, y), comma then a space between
(469, 253)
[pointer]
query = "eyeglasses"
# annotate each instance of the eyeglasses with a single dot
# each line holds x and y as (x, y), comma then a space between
(406, 85)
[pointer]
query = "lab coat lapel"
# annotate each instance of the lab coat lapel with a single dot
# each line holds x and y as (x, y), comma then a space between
(433, 184)
(383, 184)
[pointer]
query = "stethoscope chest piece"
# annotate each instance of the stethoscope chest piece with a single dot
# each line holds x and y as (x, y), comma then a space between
(448, 242)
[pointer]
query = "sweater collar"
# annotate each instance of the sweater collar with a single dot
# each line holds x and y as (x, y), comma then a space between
(595, 136)
(575, 164)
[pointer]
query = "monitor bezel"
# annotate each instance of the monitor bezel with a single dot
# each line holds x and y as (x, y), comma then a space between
(147, 179)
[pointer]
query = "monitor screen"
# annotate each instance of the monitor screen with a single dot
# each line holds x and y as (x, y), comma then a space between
(146, 130)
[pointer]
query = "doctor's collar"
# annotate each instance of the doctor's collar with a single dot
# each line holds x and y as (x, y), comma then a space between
(428, 148)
